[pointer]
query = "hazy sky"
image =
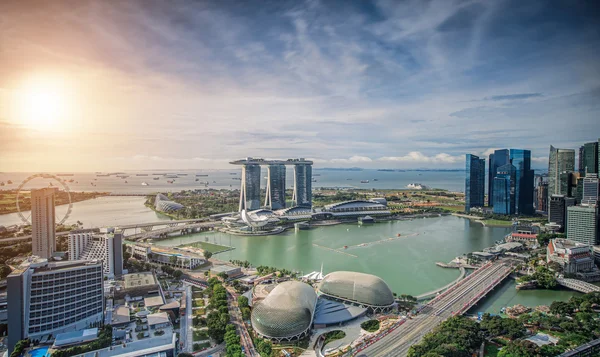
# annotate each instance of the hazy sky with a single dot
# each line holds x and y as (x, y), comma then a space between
(192, 84)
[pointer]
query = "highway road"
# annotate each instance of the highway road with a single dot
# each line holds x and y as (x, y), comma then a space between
(454, 301)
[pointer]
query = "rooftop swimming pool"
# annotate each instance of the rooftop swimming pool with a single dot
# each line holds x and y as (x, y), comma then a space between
(39, 352)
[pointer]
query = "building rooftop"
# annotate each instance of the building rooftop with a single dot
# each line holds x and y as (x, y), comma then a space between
(560, 243)
(258, 161)
(358, 287)
(68, 338)
(121, 315)
(153, 301)
(138, 279)
(158, 318)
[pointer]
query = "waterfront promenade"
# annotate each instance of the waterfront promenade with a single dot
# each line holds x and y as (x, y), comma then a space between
(454, 301)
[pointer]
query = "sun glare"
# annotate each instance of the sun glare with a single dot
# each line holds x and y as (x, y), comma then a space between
(41, 104)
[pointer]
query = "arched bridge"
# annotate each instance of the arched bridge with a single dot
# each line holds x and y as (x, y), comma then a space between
(578, 285)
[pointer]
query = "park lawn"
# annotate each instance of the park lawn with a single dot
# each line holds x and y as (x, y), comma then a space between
(497, 223)
(209, 247)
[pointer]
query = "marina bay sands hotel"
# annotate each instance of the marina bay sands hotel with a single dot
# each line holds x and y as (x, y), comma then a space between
(275, 192)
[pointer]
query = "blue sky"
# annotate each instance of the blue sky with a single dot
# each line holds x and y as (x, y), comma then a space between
(406, 84)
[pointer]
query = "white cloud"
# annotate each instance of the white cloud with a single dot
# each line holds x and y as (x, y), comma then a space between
(352, 160)
(418, 157)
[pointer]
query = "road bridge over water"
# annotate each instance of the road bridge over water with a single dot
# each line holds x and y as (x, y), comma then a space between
(433, 293)
(454, 301)
(163, 232)
(578, 285)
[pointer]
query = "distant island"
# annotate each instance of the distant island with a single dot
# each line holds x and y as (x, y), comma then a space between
(341, 169)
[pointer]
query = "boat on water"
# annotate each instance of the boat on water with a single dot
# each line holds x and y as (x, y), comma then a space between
(9, 182)
(102, 175)
(364, 181)
(156, 178)
(398, 235)
(141, 174)
(197, 179)
(182, 174)
(64, 174)
(314, 180)
(171, 176)
(170, 181)
(125, 181)
(233, 173)
(197, 175)
(145, 184)
(375, 180)
(316, 174)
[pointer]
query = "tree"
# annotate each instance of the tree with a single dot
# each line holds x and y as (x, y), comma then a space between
(4, 271)
(207, 254)
(242, 301)
(223, 275)
(561, 308)
(177, 274)
(185, 354)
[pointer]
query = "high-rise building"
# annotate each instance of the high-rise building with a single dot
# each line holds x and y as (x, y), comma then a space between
(275, 192)
(542, 196)
(302, 194)
(43, 233)
(580, 160)
(567, 183)
(104, 244)
(521, 160)
(250, 190)
(560, 160)
(504, 190)
(582, 224)
(590, 158)
(578, 194)
(475, 182)
(590, 190)
(497, 159)
(558, 210)
(52, 297)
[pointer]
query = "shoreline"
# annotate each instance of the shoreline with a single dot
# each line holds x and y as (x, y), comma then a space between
(73, 201)
(481, 220)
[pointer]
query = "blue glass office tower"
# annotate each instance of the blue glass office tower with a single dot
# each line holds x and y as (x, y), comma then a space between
(475, 182)
(497, 159)
(521, 160)
(504, 190)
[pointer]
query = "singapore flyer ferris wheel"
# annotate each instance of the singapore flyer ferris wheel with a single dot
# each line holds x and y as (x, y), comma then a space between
(44, 176)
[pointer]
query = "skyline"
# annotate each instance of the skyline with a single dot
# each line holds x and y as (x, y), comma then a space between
(146, 85)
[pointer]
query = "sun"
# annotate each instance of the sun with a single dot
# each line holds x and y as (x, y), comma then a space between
(41, 104)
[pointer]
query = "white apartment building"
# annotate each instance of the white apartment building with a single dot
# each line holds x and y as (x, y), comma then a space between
(46, 298)
(105, 245)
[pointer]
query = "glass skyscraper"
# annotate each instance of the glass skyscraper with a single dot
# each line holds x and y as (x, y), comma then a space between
(521, 160)
(560, 160)
(475, 182)
(590, 158)
(302, 185)
(250, 190)
(504, 190)
(497, 159)
(275, 193)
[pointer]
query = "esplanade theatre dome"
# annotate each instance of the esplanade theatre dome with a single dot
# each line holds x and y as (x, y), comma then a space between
(357, 287)
(286, 313)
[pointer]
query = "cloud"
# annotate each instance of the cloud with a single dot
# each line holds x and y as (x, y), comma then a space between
(420, 158)
(514, 96)
(352, 160)
(197, 83)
